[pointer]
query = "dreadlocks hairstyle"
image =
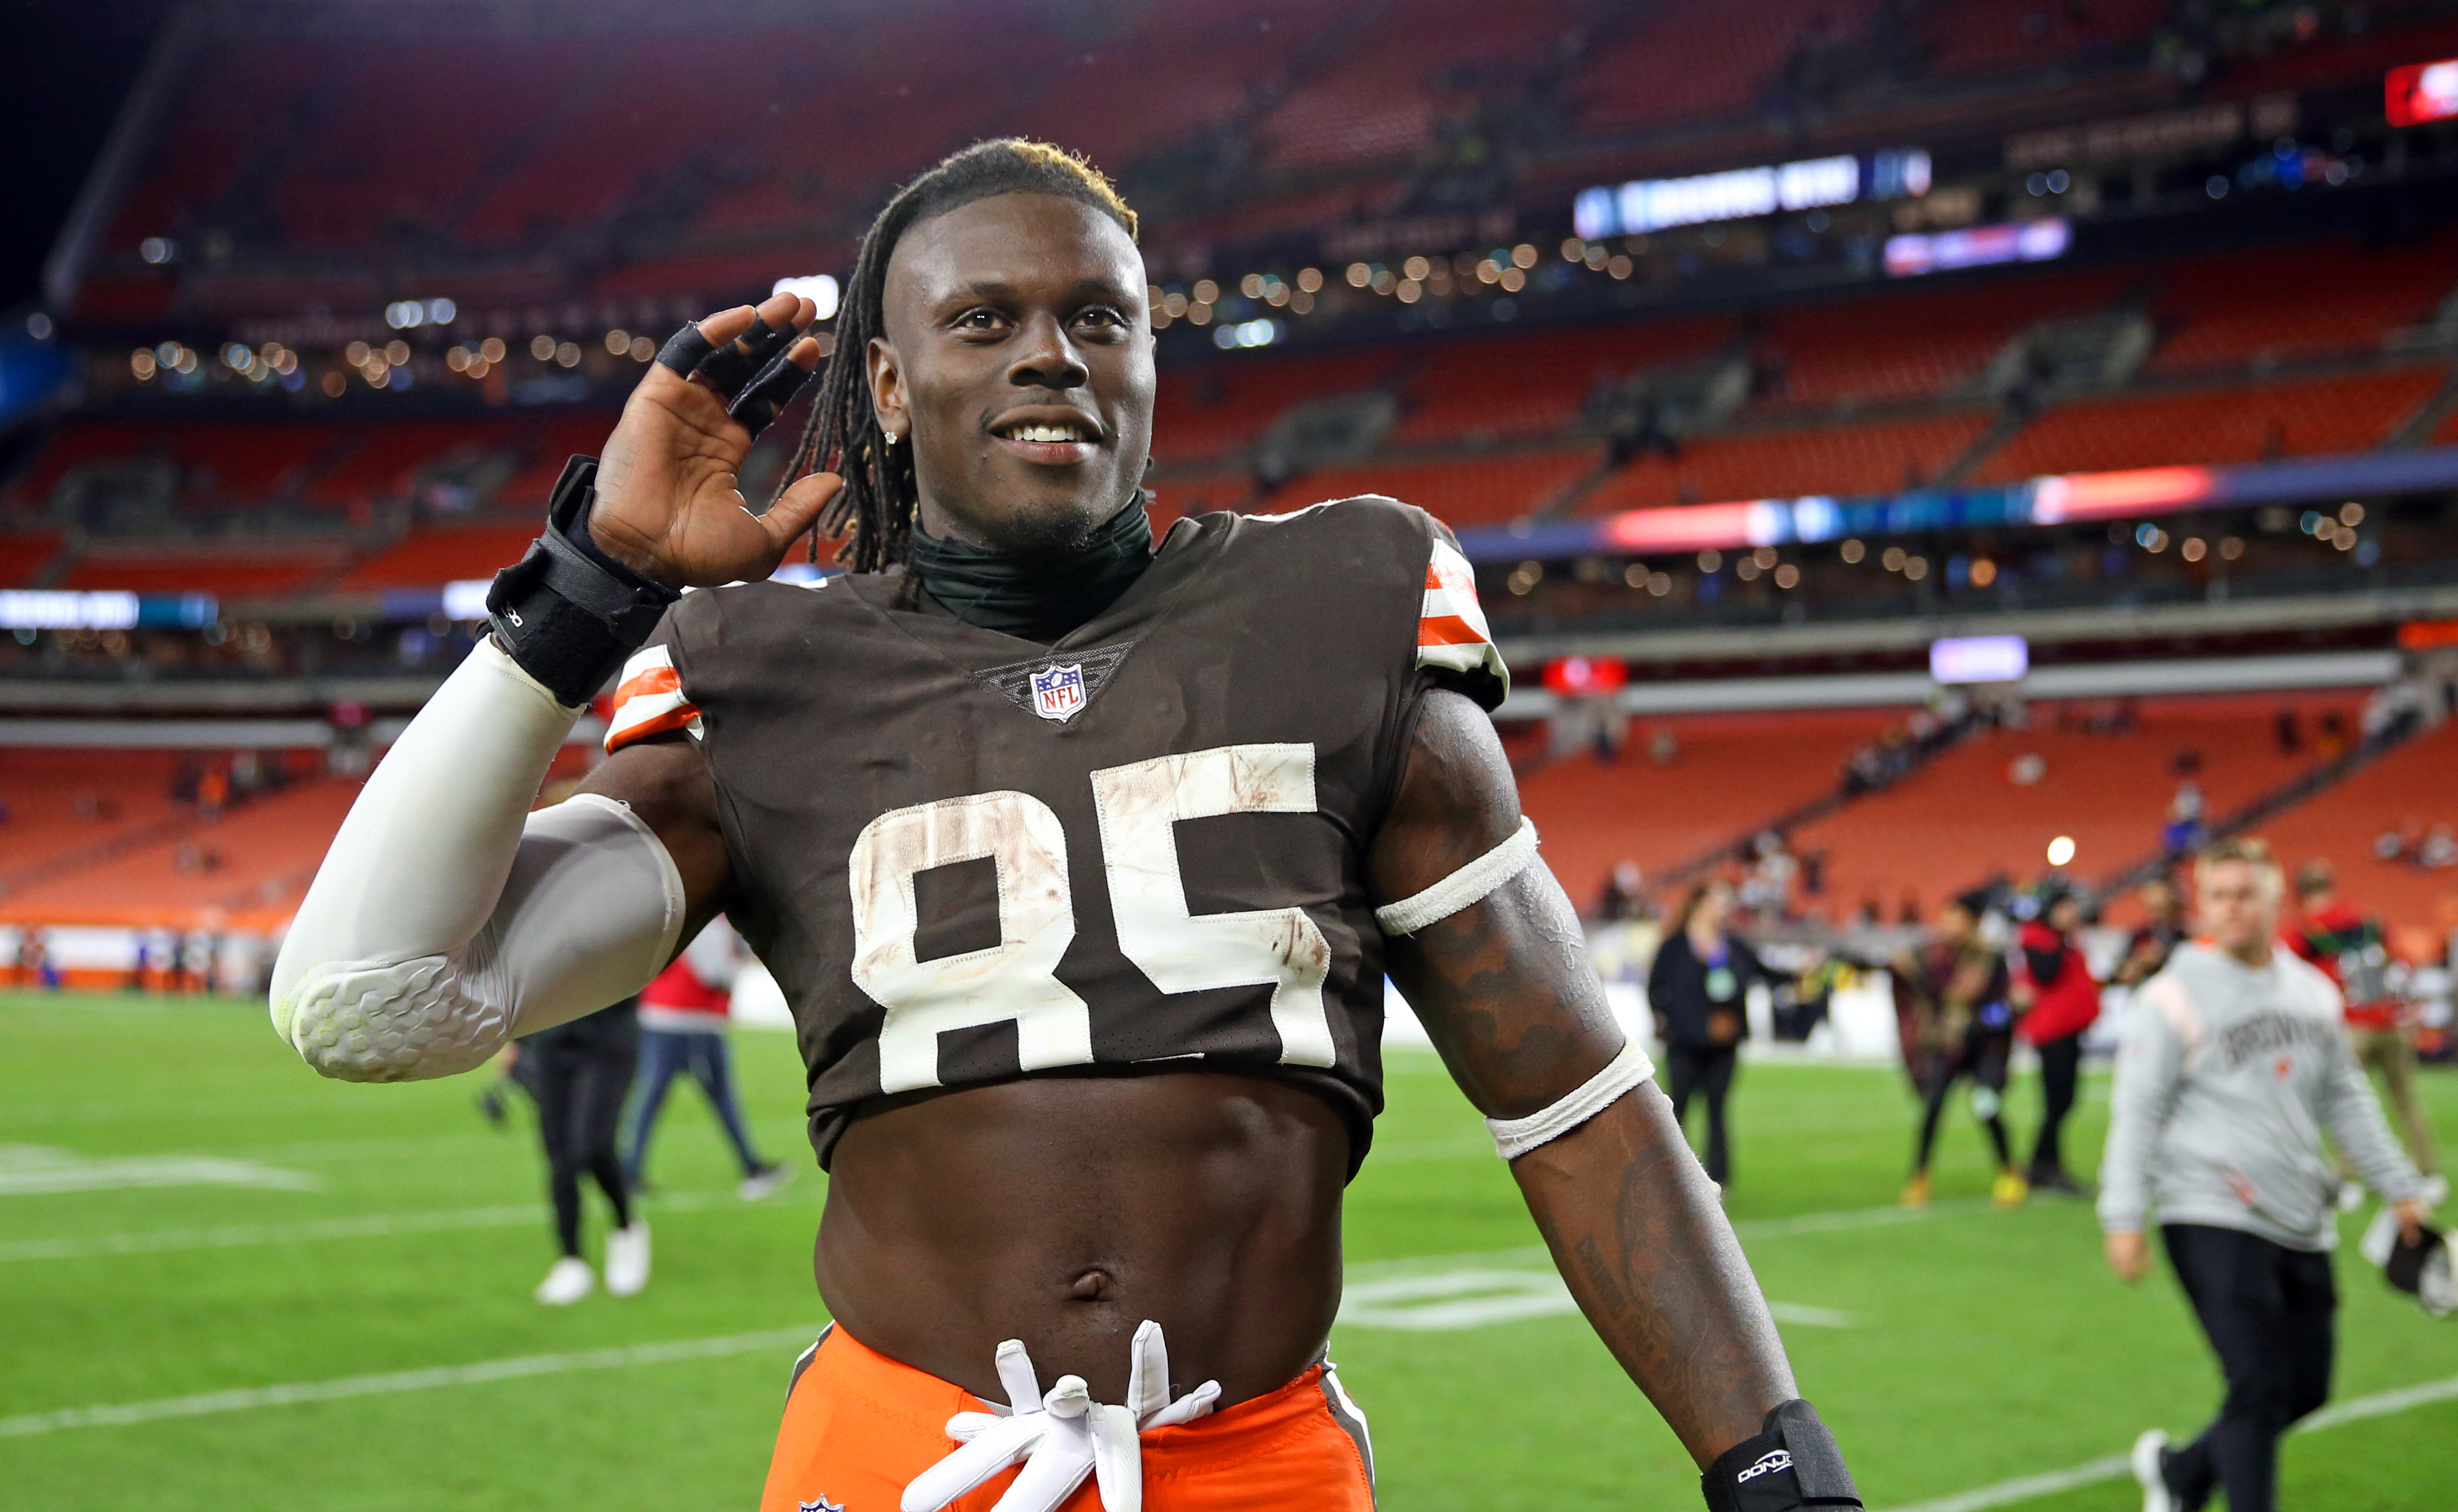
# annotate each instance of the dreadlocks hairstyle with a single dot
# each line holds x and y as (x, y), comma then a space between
(843, 435)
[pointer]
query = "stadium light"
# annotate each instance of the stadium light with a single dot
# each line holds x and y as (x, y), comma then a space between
(1916, 253)
(56, 609)
(1979, 658)
(820, 288)
(2061, 850)
(2421, 92)
(1655, 204)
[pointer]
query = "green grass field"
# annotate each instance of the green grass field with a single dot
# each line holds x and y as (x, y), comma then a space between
(186, 1211)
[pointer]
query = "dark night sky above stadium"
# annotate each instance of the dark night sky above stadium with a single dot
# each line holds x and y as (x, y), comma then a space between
(63, 73)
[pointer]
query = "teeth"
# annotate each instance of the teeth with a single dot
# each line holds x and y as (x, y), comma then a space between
(1045, 433)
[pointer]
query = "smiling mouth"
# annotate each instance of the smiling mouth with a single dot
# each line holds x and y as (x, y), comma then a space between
(1044, 431)
(1061, 442)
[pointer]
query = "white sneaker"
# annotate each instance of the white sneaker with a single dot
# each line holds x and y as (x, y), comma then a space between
(627, 1259)
(2147, 1452)
(766, 1181)
(569, 1281)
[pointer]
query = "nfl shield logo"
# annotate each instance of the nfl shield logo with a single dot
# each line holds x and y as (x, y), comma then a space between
(1058, 691)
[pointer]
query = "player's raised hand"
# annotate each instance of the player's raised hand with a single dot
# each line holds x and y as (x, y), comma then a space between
(668, 503)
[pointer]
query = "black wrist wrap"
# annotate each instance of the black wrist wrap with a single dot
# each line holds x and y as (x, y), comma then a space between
(1792, 1464)
(567, 613)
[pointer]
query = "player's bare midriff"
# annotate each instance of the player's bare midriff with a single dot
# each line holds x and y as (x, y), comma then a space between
(1064, 1210)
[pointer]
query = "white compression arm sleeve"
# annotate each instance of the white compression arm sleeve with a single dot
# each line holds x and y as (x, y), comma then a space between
(447, 917)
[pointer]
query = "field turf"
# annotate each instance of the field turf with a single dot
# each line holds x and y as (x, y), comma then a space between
(188, 1217)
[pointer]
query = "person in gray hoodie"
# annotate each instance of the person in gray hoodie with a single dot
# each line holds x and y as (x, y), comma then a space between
(2235, 1062)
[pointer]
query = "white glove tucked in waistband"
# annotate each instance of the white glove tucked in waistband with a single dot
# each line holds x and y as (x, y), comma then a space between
(1062, 1436)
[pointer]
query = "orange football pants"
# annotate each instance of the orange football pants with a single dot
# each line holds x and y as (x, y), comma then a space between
(859, 1425)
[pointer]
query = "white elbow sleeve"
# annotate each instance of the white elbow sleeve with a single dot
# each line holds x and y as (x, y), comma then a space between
(589, 914)
(446, 917)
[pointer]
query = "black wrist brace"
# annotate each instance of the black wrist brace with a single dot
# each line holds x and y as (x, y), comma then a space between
(1792, 1464)
(567, 613)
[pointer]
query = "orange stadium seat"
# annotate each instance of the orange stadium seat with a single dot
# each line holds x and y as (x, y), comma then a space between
(2284, 303)
(1678, 61)
(1961, 818)
(1902, 346)
(244, 569)
(1537, 384)
(660, 106)
(64, 802)
(890, 100)
(74, 445)
(228, 96)
(447, 555)
(385, 460)
(2407, 791)
(550, 445)
(1380, 100)
(1978, 36)
(359, 177)
(1169, 72)
(1732, 771)
(1207, 412)
(23, 553)
(1471, 491)
(247, 869)
(2242, 424)
(1841, 460)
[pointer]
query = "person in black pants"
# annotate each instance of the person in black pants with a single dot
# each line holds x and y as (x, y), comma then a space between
(1959, 987)
(1696, 988)
(2268, 1311)
(579, 1074)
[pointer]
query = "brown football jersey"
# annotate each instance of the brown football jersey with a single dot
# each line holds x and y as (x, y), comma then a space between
(968, 857)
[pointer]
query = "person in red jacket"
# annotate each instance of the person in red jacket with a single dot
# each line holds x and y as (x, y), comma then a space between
(682, 1028)
(2054, 987)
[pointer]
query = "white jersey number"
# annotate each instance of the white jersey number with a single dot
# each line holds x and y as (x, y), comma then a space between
(1139, 807)
(1011, 979)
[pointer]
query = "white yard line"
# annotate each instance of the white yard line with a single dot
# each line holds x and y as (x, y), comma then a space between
(374, 1226)
(38, 1170)
(2116, 1467)
(1481, 1297)
(249, 1399)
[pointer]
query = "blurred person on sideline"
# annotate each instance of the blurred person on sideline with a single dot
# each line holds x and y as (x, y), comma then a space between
(1625, 893)
(2225, 1085)
(2353, 952)
(1698, 989)
(2059, 1000)
(1960, 995)
(2164, 928)
(682, 1029)
(579, 1073)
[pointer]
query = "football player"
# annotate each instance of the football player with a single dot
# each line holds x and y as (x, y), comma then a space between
(1080, 862)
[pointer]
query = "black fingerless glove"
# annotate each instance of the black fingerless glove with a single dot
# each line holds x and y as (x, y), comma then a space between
(1791, 1466)
(567, 613)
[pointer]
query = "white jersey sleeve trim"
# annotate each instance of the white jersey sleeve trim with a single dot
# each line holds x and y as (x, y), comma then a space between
(1465, 888)
(1515, 1137)
(1451, 629)
(649, 700)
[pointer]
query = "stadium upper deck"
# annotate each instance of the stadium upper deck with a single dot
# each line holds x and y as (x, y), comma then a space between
(372, 280)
